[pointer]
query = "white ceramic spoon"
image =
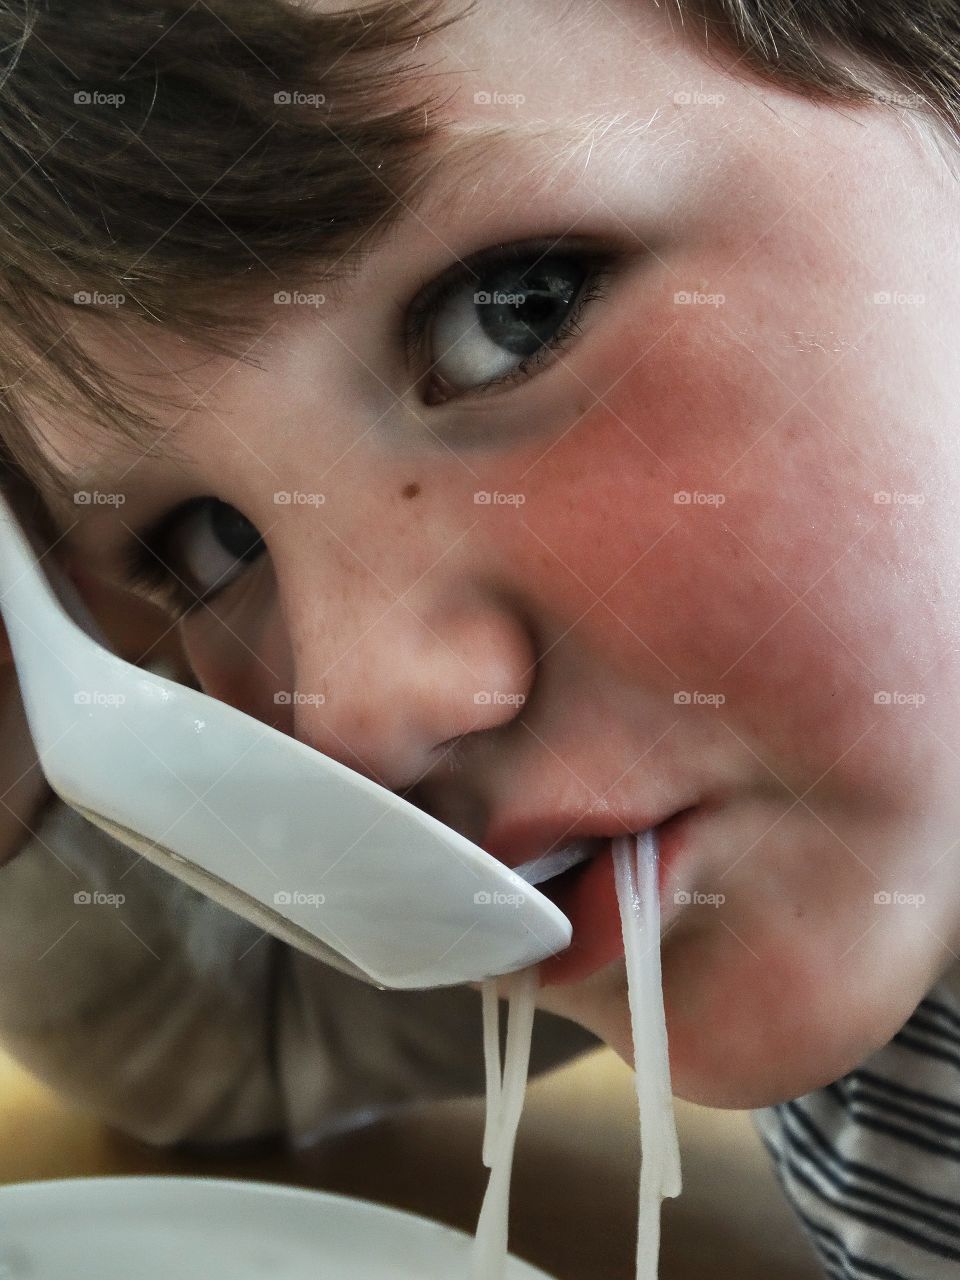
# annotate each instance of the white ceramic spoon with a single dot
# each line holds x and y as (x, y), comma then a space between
(303, 846)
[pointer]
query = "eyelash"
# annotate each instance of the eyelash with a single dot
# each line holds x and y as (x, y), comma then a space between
(418, 315)
(142, 564)
(143, 569)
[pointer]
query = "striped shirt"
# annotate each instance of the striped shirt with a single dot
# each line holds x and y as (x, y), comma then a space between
(871, 1163)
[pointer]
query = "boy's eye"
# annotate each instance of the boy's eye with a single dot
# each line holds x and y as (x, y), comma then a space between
(194, 552)
(499, 313)
(487, 322)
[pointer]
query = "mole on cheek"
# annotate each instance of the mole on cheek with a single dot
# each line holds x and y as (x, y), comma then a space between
(411, 490)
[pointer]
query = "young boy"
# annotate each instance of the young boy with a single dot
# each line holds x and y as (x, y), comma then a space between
(570, 431)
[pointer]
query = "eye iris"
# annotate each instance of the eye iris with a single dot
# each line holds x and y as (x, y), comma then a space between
(521, 311)
(235, 532)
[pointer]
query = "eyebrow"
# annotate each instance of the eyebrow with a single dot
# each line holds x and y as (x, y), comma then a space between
(462, 151)
(553, 145)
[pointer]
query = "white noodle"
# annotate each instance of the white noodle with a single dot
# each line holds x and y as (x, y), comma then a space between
(489, 1257)
(491, 1060)
(640, 921)
(635, 864)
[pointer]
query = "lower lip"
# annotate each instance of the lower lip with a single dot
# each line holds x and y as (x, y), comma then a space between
(590, 903)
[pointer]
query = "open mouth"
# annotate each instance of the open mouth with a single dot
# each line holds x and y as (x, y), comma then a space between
(578, 877)
(547, 868)
(558, 873)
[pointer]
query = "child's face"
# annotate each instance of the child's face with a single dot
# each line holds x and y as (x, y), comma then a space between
(584, 596)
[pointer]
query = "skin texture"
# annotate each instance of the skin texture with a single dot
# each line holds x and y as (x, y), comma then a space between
(593, 602)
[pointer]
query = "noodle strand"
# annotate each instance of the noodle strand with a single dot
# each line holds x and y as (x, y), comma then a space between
(489, 1256)
(492, 1066)
(636, 871)
(640, 921)
(649, 896)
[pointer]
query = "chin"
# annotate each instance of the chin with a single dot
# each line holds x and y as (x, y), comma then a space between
(752, 1026)
(744, 1083)
(734, 1043)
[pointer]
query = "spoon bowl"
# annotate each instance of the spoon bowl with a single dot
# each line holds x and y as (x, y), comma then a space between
(308, 849)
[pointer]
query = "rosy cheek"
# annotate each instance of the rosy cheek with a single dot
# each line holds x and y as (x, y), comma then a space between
(676, 591)
(754, 588)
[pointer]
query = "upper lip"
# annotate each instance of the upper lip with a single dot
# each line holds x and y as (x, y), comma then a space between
(523, 839)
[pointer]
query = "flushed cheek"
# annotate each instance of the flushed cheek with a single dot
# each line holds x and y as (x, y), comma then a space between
(667, 593)
(697, 547)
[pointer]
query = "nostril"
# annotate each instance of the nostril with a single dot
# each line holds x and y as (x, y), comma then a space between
(450, 754)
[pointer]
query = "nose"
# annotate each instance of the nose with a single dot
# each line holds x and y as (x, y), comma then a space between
(391, 699)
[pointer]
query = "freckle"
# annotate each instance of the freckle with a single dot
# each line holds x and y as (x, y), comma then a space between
(411, 490)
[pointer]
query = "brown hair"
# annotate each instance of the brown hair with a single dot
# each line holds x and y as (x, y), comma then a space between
(149, 151)
(180, 156)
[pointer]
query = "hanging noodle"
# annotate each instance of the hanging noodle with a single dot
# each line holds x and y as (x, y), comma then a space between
(491, 1060)
(635, 867)
(489, 1256)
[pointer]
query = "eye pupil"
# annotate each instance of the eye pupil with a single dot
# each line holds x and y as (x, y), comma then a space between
(521, 310)
(502, 315)
(235, 532)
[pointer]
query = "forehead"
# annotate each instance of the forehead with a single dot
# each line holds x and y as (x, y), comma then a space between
(511, 66)
(514, 62)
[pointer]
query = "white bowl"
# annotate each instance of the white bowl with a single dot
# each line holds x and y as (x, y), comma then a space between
(167, 1228)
